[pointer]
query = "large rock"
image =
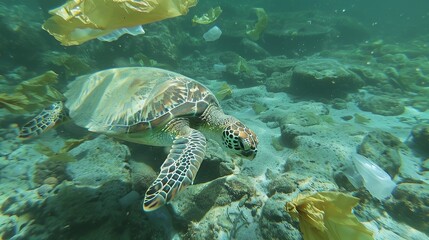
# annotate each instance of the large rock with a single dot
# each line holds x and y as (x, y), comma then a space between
(142, 176)
(278, 82)
(88, 212)
(228, 206)
(420, 135)
(99, 161)
(275, 222)
(382, 106)
(290, 37)
(411, 205)
(324, 77)
(270, 65)
(383, 149)
(194, 202)
(297, 120)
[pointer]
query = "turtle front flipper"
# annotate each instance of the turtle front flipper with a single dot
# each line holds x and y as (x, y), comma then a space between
(44, 121)
(178, 170)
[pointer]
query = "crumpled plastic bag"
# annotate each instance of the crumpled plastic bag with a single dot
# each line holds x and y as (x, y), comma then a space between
(208, 17)
(78, 21)
(31, 95)
(328, 216)
(260, 25)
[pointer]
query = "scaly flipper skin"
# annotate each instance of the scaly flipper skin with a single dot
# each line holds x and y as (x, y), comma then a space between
(178, 170)
(44, 121)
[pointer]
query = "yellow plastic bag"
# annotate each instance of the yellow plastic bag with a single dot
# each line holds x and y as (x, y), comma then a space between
(32, 94)
(78, 21)
(260, 25)
(208, 17)
(328, 216)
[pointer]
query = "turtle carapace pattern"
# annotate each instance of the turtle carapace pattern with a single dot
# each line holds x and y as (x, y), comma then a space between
(155, 107)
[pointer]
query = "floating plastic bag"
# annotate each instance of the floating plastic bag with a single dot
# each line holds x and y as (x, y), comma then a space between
(113, 36)
(213, 34)
(208, 17)
(328, 216)
(78, 21)
(260, 25)
(32, 94)
(217, 67)
(224, 92)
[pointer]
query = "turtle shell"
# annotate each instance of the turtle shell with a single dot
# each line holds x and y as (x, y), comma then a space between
(122, 100)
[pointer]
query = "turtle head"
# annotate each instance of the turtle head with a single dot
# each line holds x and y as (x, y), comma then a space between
(240, 140)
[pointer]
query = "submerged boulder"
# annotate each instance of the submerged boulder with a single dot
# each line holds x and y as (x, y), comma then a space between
(198, 200)
(293, 38)
(383, 148)
(275, 222)
(382, 106)
(324, 78)
(411, 205)
(99, 161)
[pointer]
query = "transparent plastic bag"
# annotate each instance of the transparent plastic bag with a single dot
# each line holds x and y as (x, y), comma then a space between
(364, 172)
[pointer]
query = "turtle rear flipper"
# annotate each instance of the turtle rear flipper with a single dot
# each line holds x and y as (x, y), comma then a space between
(47, 119)
(178, 170)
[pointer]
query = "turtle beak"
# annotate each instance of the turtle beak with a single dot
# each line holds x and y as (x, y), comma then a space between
(249, 154)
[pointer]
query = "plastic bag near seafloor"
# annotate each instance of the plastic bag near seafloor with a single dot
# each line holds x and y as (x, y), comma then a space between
(375, 179)
(78, 21)
(328, 216)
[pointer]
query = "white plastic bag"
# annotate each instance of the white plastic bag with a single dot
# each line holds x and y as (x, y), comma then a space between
(213, 34)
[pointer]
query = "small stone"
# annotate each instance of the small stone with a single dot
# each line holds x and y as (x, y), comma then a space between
(44, 190)
(420, 135)
(425, 164)
(239, 186)
(226, 168)
(281, 184)
(3, 162)
(276, 143)
(347, 117)
(339, 104)
(51, 181)
(10, 136)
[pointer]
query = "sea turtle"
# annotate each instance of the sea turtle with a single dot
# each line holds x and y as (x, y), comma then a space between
(155, 107)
